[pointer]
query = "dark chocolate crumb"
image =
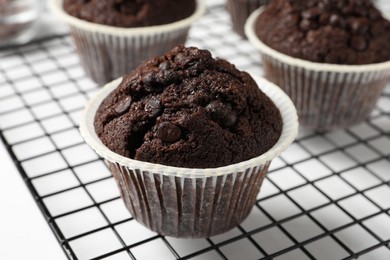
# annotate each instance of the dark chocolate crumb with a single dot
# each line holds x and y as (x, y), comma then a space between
(153, 107)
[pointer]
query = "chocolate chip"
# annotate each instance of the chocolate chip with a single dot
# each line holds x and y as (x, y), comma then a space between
(164, 65)
(230, 119)
(180, 57)
(223, 114)
(358, 26)
(168, 74)
(358, 43)
(305, 25)
(336, 20)
(149, 78)
(311, 13)
(152, 82)
(195, 52)
(311, 36)
(123, 105)
(153, 107)
(321, 5)
(291, 18)
(168, 132)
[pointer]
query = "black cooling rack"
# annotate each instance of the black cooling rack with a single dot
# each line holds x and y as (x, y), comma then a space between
(326, 197)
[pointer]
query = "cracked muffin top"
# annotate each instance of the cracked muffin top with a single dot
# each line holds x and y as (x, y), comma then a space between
(130, 13)
(327, 31)
(187, 109)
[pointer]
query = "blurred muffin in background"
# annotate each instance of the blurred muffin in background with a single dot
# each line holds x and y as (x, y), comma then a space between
(331, 57)
(17, 20)
(239, 11)
(114, 36)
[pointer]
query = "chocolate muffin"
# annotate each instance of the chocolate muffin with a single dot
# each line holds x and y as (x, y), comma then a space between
(239, 11)
(126, 13)
(330, 57)
(327, 31)
(187, 109)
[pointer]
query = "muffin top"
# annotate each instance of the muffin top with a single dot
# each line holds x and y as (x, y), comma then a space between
(327, 31)
(130, 13)
(187, 109)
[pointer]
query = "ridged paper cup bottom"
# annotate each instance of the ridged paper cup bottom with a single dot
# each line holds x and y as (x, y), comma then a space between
(108, 52)
(105, 57)
(189, 207)
(185, 202)
(326, 96)
(239, 11)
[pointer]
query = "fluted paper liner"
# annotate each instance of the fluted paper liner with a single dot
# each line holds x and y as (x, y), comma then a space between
(108, 52)
(185, 202)
(240, 10)
(327, 96)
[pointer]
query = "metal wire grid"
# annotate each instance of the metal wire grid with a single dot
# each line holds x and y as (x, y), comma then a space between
(327, 197)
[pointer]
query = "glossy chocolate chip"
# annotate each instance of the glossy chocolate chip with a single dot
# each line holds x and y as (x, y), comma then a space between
(336, 20)
(322, 5)
(153, 107)
(311, 36)
(223, 114)
(167, 74)
(358, 27)
(305, 25)
(149, 78)
(311, 13)
(180, 57)
(123, 105)
(152, 82)
(358, 43)
(230, 119)
(164, 65)
(168, 132)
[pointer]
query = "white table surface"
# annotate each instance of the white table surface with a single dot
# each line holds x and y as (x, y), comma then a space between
(24, 233)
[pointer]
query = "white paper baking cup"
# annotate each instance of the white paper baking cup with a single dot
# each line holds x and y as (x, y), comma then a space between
(108, 52)
(327, 96)
(185, 202)
(239, 11)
